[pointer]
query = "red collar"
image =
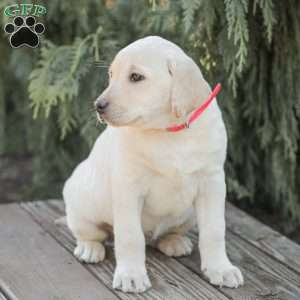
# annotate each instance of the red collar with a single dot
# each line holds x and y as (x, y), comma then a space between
(196, 113)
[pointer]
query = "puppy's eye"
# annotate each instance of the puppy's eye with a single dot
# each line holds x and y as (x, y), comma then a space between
(134, 77)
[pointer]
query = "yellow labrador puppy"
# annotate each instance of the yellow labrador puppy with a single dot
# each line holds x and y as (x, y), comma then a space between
(148, 183)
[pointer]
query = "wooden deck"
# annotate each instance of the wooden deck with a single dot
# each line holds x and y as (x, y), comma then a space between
(36, 262)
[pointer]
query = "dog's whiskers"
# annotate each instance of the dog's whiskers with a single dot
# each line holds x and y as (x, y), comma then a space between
(99, 119)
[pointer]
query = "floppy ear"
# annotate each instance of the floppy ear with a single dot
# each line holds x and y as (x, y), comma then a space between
(189, 89)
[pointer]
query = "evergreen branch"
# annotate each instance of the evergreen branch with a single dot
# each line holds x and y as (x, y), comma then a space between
(267, 7)
(189, 8)
(236, 15)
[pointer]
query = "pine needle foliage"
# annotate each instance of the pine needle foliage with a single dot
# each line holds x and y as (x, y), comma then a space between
(252, 47)
(189, 9)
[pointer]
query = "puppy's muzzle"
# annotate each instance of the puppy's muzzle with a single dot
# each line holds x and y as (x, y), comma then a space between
(101, 105)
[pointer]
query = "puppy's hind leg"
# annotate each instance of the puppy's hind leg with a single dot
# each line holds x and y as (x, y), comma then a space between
(174, 244)
(89, 236)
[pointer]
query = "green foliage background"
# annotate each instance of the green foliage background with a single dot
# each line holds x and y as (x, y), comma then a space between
(252, 47)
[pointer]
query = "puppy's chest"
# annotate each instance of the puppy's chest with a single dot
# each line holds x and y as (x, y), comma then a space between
(171, 196)
(177, 159)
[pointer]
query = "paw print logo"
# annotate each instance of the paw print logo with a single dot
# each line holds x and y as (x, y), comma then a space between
(24, 32)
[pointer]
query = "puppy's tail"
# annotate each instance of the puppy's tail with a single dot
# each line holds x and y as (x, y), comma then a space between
(62, 221)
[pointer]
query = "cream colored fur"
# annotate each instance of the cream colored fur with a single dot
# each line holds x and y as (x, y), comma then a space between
(147, 183)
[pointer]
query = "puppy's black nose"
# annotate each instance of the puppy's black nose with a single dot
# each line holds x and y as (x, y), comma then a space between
(100, 105)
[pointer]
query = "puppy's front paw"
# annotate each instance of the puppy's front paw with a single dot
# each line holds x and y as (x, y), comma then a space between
(224, 275)
(89, 251)
(133, 280)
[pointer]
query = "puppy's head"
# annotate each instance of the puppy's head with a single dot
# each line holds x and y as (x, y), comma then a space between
(153, 84)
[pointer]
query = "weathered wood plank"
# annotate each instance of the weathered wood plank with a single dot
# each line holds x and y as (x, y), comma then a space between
(264, 276)
(170, 279)
(33, 266)
(263, 237)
